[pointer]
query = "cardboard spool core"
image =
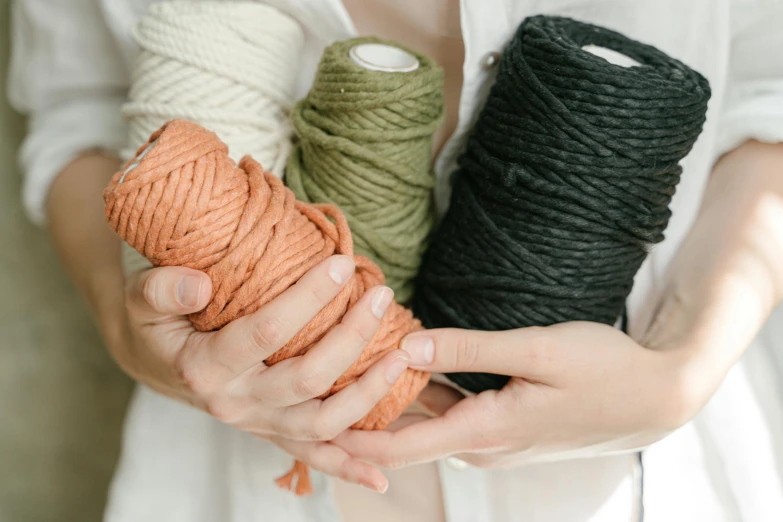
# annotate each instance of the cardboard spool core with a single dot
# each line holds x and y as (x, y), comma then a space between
(384, 58)
(611, 56)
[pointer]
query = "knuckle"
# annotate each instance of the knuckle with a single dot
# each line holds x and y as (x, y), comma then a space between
(493, 420)
(308, 433)
(268, 333)
(311, 384)
(190, 374)
(314, 297)
(324, 428)
(355, 334)
(390, 462)
(539, 348)
(467, 352)
(150, 290)
(224, 409)
(343, 471)
(313, 457)
(365, 332)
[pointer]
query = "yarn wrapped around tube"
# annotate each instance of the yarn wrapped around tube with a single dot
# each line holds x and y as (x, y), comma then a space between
(365, 145)
(565, 182)
(183, 202)
(228, 66)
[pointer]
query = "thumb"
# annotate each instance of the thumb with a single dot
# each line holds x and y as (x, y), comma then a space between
(529, 353)
(170, 290)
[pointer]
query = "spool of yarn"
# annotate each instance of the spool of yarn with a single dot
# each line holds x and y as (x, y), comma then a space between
(183, 202)
(228, 66)
(564, 184)
(231, 67)
(365, 144)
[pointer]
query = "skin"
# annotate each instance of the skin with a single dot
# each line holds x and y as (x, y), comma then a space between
(582, 389)
(579, 389)
(144, 324)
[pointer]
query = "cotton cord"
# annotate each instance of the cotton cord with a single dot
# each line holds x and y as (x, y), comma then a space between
(183, 202)
(228, 66)
(564, 185)
(365, 145)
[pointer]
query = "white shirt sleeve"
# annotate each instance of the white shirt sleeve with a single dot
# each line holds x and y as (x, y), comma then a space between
(753, 106)
(68, 75)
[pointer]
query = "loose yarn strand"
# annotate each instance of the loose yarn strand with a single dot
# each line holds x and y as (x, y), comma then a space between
(365, 145)
(564, 184)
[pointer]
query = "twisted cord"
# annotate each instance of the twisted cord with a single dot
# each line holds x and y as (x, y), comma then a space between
(365, 145)
(563, 186)
(229, 66)
(186, 203)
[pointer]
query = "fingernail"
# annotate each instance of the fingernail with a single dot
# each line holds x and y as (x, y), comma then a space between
(420, 348)
(341, 269)
(395, 369)
(377, 487)
(189, 290)
(381, 299)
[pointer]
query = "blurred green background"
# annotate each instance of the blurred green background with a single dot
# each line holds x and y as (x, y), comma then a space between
(62, 400)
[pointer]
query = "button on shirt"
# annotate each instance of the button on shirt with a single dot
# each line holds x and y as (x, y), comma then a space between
(70, 72)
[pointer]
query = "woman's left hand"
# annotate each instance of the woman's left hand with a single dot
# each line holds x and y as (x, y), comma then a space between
(584, 389)
(578, 390)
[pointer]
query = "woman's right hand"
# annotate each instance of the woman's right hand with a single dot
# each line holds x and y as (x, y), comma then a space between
(223, 372)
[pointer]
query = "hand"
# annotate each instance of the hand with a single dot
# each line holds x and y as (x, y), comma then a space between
(578, 390)
(223, 372)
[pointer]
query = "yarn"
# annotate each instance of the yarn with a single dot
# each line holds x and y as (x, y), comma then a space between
(228, 66)
(365, 145)
(564, 184)
(183, 202)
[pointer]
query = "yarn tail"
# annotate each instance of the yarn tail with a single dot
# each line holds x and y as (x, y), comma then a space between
(301, 473)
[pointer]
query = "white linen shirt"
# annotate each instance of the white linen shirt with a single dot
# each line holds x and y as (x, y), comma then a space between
(70, 72)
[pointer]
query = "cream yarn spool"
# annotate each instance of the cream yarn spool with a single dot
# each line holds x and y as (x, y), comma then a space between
(229, 66)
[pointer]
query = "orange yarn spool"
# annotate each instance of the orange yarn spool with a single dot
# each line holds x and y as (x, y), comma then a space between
(186, 203)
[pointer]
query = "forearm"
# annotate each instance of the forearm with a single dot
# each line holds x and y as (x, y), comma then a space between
(728, 275)
(87, 247)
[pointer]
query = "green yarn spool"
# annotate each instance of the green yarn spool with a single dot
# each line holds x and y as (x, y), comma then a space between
(365, 145)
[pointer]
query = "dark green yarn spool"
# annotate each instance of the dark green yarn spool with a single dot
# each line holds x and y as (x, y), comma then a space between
(365, 145)
(565, 183)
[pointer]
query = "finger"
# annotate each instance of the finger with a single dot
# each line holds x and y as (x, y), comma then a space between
(299, 379)
(324, 420)
(167, 291)
(438, 398)
(526, 352)
(335, 462)
(247, 341)
(466, 427)
(406, 420)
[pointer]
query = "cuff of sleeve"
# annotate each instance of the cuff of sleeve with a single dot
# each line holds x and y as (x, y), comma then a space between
(57, 136)
(759, 118)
